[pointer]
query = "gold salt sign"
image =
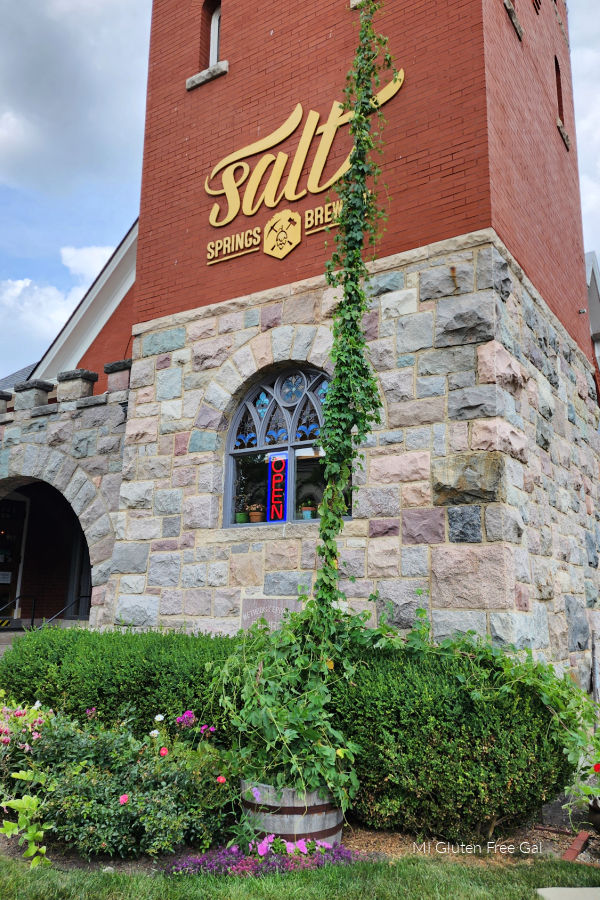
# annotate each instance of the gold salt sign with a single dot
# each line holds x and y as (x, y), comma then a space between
(239, 185)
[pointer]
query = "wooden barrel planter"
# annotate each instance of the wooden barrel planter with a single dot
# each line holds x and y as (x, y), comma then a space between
(291, 815)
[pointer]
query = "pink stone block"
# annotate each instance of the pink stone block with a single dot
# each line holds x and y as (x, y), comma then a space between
(383, 527)
(472, 577)
(522, 597)
(495, 365)
(118, 381)
(423, 526)
(403, 467)
(164, 361)
(416, 494)
(459, 436)
(270, 316)
(181, 443)
(497, 434)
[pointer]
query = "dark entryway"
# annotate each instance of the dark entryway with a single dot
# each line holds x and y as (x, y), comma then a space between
(44, 561)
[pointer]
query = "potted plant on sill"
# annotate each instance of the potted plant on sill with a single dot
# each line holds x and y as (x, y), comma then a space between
(241, 499)
(308, 508)
(257, 512)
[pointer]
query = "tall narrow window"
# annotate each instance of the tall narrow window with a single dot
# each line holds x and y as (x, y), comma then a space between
(559, 94)
(215, 36)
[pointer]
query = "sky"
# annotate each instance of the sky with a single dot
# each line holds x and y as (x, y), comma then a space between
(72, 96)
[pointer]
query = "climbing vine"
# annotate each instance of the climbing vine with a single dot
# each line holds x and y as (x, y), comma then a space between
(277, 686)
(353, 403)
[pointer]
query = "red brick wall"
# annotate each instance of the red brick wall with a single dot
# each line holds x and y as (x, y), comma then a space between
(281, 54)
(442, 177)
(48, 549)
(112, 343)
(534, 179)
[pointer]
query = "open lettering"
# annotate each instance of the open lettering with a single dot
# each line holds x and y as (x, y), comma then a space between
(277, 487)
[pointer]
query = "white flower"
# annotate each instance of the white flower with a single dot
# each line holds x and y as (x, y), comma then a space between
(159, 718)
(37, 704)
(154, 733)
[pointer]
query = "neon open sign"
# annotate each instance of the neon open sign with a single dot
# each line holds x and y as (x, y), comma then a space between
(277, 487)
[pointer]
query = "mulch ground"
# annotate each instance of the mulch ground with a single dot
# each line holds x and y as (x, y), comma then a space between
(550, 836)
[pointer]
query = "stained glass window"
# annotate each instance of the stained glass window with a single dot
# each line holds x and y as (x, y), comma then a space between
(280, 419)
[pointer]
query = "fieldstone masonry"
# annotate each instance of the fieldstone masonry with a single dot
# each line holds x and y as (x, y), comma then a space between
(479, 493)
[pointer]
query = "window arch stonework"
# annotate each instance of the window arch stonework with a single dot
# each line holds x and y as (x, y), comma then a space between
(272, 460)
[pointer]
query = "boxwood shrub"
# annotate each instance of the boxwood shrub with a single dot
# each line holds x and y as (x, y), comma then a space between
(437, 757)
(132, 674)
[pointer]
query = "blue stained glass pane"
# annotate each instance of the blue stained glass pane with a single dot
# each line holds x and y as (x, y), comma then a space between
(246, 436)
(262, 404)
(292, 388)
(277, 433)
(322, 391)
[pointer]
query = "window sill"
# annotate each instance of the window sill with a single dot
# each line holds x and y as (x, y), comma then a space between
(512, 15)
(564, 134)
(220, 68)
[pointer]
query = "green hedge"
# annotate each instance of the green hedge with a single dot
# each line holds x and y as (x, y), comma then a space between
(435, 759)
(436, 756)
(119, 673)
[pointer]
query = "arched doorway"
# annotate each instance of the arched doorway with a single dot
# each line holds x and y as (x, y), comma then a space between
(45, 570)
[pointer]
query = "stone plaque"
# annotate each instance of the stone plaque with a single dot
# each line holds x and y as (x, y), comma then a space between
(269, 608)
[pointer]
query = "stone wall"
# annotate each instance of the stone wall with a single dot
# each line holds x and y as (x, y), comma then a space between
(478, 497)
(72, 440)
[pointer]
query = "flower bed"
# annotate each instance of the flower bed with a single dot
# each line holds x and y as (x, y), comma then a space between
(264, 858)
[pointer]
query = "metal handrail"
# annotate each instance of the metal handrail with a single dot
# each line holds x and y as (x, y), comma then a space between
(10, 603)
(63, 610)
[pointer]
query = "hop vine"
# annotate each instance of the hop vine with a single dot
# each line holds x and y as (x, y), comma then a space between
(353, 403)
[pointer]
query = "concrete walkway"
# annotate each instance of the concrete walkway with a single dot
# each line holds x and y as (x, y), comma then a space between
(560, 893)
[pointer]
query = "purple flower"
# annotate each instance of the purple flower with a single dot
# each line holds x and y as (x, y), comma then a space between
(256, 794)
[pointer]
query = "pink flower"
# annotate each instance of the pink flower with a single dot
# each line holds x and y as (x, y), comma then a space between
(212, 728)
(163, 751)
(221, 779)
(35, 735)
(123, 799)
(203, 728)
(6, 740)
(263, 848)
(301, 845)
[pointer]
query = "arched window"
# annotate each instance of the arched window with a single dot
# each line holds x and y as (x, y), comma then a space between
(272, 462)
(215, 36)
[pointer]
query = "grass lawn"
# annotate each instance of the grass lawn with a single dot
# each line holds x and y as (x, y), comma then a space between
(410, 878)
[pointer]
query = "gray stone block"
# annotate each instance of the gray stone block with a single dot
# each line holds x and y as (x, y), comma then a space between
(168, 384)
(447, 623)
(493, 272)
(444, 361)
(523, 630)
(384, 283)
(287, 584)
(415, 561)
(418, 438)
(194, 575)
(130, 558)
(371, 503)
(137, 494)
(464, 524)
(139, 610)
(579, 629)
(466, 320)
(164, 569)
(430, 386)
(446, 281)
(480, 402)
(162, 342)
(398, 600)
(414, 332)
(168, 502)
(591, 550)
(504, 523)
